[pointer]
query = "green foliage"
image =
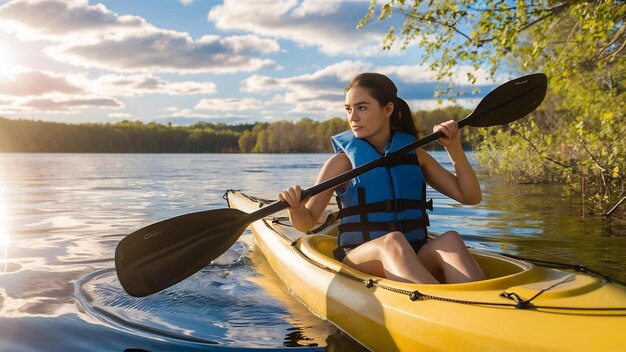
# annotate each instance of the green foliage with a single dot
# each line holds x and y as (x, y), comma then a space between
(301, 137)
(305, 136)
(577, 136)
(486, 33)
(121, 137)
(426, 120)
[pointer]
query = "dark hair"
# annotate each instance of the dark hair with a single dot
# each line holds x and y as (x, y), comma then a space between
(384, 91)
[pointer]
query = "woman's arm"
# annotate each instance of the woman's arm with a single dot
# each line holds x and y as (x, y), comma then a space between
(304, 215)
(462, 187)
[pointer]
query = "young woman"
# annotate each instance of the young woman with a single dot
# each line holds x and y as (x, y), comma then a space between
(383, 217)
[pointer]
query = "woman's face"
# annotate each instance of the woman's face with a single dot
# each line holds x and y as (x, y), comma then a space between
(366, 116)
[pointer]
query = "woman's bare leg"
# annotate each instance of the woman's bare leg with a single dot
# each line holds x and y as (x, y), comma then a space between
(392, 257)
(449, 260)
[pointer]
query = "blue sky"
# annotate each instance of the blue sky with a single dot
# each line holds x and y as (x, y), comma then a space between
(189, 60)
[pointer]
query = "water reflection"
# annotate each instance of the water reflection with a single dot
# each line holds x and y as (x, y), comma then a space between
(62, 215)
(219, 305)
(5, 238)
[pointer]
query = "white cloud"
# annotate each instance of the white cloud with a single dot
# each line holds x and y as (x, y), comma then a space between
(120, 115)
(21, 81)
(260, 84)
(187, 116)
(244, 44)
(130, 85)
(26, 90)
(329, 79)
(432, 104)
(130, 53)
(422, 74)
(166, 51)
(316, 7)
(57, 20)
(328, 25)
(229, 104)
(93, 36)
(320, 94)
(30, 90)
(61, 105)
(316, 94)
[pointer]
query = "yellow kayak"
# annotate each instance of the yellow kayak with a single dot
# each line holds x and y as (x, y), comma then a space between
(519, 307)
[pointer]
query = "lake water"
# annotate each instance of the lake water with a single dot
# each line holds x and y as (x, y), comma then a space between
(62, 215)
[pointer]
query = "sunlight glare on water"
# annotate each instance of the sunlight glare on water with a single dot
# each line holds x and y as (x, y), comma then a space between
(4, 230)
(4, 240)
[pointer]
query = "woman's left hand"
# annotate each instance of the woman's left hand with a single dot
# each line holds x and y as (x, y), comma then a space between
(451, 131)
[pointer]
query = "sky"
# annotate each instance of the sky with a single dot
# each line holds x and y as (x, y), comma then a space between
(183, 61)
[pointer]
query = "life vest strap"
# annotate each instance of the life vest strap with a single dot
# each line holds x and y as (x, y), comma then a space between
(362, 211)
(404, 159)
(403, 226)
(388, 206)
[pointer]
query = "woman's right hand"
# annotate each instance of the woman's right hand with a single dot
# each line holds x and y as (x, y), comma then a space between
(293, 197)
(451, 133)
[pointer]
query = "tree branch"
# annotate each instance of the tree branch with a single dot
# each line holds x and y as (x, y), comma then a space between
(608, 213)
(605, 52)
(416, 18)
(547, 158)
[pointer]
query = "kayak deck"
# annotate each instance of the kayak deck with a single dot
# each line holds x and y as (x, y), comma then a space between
(387, 315)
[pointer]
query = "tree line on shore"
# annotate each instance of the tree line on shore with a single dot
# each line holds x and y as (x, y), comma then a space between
(303, 136)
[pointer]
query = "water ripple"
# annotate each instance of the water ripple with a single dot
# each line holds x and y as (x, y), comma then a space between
(220, 305)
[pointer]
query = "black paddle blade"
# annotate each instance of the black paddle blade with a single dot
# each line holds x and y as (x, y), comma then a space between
(510, 101)
(162, 254)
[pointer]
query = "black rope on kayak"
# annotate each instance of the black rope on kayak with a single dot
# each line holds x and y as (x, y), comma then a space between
(577, 267)
(262, 201)
(526, 303)
(330, 219)
(281, 220)
(285, 221)
(521, 303)
(419, 296)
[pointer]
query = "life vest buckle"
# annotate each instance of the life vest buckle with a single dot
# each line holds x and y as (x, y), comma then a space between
(392, 205)
(396, 226)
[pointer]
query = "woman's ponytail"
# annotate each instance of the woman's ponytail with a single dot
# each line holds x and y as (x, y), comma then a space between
(402, 118)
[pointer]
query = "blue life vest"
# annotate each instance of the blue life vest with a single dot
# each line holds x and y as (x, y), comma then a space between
(382, 200)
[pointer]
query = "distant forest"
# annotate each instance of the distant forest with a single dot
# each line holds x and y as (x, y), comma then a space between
(303, 136)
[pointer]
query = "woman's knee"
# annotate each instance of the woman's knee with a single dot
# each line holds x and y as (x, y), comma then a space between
(395, 241)
(452, 240)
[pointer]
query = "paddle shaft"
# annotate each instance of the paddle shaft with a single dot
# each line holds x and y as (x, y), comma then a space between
(386, 159)
(382, 161)
(346, 176)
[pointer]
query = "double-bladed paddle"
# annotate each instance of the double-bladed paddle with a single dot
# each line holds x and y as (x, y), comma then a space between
(162, 254)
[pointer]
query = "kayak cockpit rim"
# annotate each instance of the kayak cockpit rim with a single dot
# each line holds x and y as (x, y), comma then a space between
(318, 250)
